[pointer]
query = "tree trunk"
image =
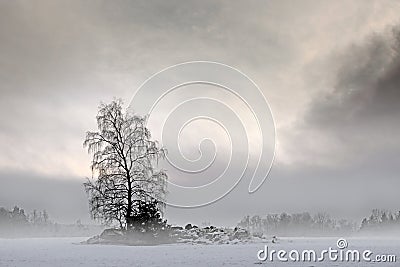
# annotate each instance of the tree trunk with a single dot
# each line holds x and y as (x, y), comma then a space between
(129, 210)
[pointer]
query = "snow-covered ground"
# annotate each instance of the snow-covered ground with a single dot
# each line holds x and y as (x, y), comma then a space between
(68, 252)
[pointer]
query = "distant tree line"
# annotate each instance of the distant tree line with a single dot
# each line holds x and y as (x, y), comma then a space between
(17, 217)
(17, 223)
(319, 224)
(381, 219)
(296, 224)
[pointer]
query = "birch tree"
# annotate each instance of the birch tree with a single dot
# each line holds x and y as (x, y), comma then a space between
(124, 161)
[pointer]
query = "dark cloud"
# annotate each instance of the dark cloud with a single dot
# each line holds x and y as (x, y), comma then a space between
(358, 115)
(367, 86)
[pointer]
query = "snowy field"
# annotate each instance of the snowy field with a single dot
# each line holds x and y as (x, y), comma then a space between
(53, 252)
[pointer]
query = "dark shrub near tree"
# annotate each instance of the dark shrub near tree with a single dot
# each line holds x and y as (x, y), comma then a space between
(147, 217)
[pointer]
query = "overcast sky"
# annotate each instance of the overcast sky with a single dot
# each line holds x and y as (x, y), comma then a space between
(330, 71)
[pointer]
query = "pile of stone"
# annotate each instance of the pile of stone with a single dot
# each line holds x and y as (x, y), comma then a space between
(213, 235)
(130, 238)
(191, 234)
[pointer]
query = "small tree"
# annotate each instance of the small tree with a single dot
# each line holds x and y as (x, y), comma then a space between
(124, 157)
(147, 216)
(45, 216)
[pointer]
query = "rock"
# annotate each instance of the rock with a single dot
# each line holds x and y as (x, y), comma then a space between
(111, 233)
(259, 235)
(93, 240)
(240, 234)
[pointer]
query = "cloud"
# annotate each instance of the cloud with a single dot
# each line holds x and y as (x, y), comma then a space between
(367, 84)
(332, 101)
(357, 115)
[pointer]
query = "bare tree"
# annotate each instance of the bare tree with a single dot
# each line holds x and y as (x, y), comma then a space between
(321, 219)
(124, 160)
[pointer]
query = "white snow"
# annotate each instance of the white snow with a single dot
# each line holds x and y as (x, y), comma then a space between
(68, 252)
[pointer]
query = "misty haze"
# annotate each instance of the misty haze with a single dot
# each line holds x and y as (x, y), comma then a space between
(199, 133)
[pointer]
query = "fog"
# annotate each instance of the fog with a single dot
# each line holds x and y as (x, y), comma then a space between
(329, 71)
